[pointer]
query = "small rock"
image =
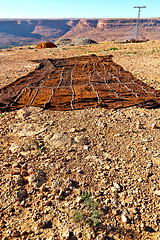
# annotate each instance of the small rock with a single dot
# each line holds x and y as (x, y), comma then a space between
(157, 192)
(41, 223)
(15, 233)
(155, 125)
(23, 203)
(107, 201)
(140, 180)
(24, 233)
(15, 148)
(3, 224)
(37, 179)
(23, 113)
(124, 218)
(16, 165)
(139, 125)
(19, 180)
(5, 164)
(78, 139)
(15, 171)
(66, 234)
(116, 212)
(86, 147)
(135, 210)
(105, 209)
(77, 232)
(24, 172)
(79, 199)
(59, 140)
(21, 194)
(116, 187)
(143, 226)
(101, 237)
(8, 232)
(24, 166)
(73, 130)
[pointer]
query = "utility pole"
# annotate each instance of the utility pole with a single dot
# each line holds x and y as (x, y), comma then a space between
(138, 21)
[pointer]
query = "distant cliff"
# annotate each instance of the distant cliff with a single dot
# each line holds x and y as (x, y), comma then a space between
(25, 32)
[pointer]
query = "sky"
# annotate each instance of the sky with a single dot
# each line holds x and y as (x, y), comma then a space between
(78, 8)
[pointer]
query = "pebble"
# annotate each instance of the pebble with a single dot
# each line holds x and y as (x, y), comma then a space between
(19, 180)
(41, 223)
(143, 226)
(15, 172)
(24, 172)
(157, 192)
(15, 234)
(79, 199)
(155, 125)
(3, 224)
(116, 187)
(5, 164)
(86, 147)
(66, 234)
(124, 218)
(21, 194)
(77, 232)
(24, 233)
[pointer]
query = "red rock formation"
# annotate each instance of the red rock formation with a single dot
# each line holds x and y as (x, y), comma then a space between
(76, 83)
(24, 32)
(46, 45)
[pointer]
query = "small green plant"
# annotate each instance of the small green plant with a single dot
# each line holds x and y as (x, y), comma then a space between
(1, 149)
(79, 216)
(39, 151)
(113, 48)
(2, 115)
(131, 52)
(61, 198)
(88, 212)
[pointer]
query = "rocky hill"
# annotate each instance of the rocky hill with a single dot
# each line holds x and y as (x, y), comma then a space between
(29, 31)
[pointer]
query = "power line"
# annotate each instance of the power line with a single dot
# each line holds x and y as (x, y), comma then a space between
(138, 21)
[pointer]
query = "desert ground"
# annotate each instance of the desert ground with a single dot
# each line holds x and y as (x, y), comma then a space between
(82, 174)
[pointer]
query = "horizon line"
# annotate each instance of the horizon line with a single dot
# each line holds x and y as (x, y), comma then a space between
(75, 18)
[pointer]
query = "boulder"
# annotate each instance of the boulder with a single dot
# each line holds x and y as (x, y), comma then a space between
(46, 45)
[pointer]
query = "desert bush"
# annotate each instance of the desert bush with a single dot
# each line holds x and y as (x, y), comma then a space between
(113, 48)
(88, 212)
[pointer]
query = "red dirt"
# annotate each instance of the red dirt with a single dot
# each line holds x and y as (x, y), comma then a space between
(77, 83)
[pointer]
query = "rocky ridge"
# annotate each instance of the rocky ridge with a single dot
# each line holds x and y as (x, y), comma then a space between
(33, 31)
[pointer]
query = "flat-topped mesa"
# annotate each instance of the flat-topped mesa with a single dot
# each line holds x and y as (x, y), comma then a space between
(77, 83)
